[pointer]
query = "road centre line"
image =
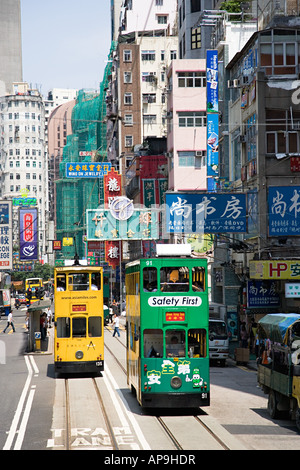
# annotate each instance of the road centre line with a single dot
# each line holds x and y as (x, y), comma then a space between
(136, 427)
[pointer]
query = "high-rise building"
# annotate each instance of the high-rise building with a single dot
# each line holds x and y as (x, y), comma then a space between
(10, 45)
(23, 166)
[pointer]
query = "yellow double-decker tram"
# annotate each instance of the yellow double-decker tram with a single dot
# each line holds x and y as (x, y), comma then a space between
(78, 305)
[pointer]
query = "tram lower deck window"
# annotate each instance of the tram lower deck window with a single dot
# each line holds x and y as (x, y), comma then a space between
(95, 328)
(63, 327)
(79, 328)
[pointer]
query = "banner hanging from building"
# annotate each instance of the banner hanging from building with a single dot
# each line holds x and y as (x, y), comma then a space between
(212, 121)
(28, 224)
(212, 79)
(6, 247)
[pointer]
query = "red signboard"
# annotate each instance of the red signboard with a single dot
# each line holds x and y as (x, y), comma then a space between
(175, 316)
(112, 186)
(113, 253)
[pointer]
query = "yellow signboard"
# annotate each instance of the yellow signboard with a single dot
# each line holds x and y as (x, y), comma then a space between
(67, 241)
(275, 269)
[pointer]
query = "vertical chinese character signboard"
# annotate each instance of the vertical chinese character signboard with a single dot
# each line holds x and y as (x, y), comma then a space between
(212, 110)
(112, 189)
(28, 234)
(6, 235)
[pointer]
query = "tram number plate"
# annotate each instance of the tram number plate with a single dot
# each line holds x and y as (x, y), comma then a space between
(203, 396)
(98, 363)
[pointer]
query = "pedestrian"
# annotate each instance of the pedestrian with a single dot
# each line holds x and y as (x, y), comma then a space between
(49, 317)
(43, 326)
(117, 324)
(9, 323)
(244, 336)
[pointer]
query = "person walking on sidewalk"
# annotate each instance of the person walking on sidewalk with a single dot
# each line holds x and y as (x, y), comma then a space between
(117, 324)
(9, 323)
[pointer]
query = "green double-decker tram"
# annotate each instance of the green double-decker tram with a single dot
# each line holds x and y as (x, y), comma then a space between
(167, 332)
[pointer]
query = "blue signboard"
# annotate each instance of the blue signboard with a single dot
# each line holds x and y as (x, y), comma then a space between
(87, 169)
(262, 294)
(205, 213)
(212, 81)
(212, 144)
(284, 208)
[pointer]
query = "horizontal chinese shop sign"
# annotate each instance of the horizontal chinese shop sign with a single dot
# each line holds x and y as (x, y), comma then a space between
(205, 213)
(279, 269)
(141, 225)
(87, 169)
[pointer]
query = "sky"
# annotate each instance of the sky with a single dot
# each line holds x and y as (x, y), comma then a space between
(65, 43)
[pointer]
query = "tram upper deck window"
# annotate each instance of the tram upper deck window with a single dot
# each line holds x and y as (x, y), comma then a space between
(175, 343)
(198, 279)
(174, 279)
(78, 281)
(61, 282)
(150, 279)
(95, 281)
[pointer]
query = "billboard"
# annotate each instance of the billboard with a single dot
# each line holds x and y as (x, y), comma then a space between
(205, 213)
(28, 225)
(87, 169)
(6, 249)
(284, 207)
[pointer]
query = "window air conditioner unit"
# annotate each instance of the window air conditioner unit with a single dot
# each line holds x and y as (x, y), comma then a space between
(229, 83)
(236, 83)
(200, 153)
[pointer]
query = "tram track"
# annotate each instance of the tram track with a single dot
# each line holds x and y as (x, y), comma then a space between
(72, 427)
(219, 442)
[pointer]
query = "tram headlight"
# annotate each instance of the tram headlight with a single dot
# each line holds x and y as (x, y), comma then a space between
(176, 382)
(79, 354)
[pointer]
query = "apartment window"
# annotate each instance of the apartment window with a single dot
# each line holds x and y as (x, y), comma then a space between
(192, 119)
(149, 98)
(127, 77)
(159, 3)
(195, 6)
(149, 118)
(191, 79)
(173, 55)
(148, 55)
(127, 55)
(278, 52)
(195, 38)
(28, 176)
(281, 131)
(192, 159)
(149, 77)
(128, 98)
(162, 19)
(128, 119)
(128, 140)
(27, 163)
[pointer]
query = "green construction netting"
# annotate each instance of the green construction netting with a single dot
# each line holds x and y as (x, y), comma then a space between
(74, 196)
